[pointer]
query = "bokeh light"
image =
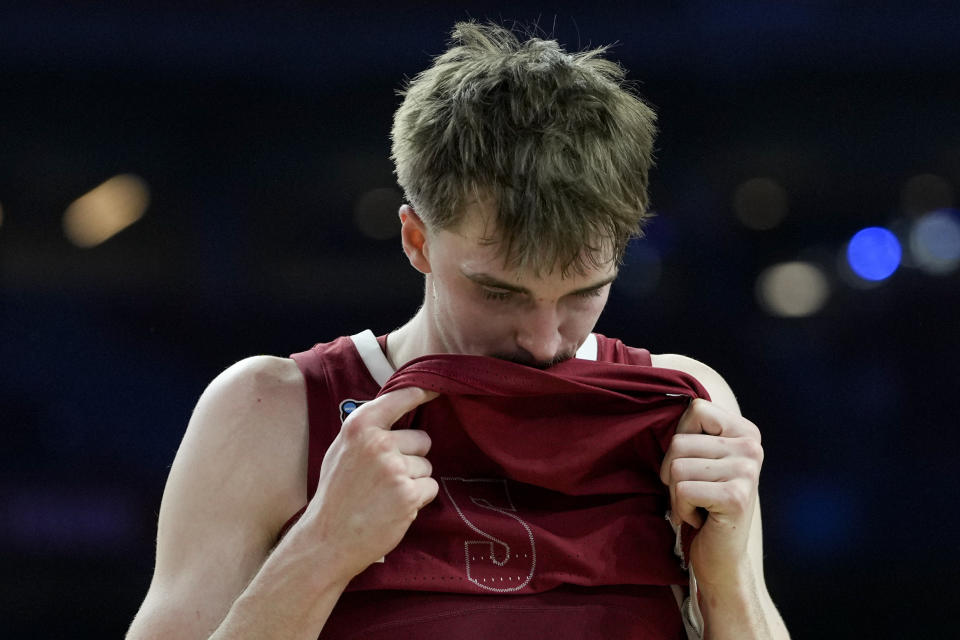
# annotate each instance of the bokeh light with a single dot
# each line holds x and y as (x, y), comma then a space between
(874, 253)
(792, 289)
(106, 210)
(760, 203)
(375, 213)
(935, 241)
(925, 192)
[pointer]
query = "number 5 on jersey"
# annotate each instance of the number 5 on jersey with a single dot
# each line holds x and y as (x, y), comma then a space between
(499, 549)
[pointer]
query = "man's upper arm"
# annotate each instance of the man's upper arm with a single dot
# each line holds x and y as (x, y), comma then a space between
(722, 395)
(238, 475)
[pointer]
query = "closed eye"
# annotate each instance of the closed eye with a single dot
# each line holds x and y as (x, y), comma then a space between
(499, 295)
(591, 293)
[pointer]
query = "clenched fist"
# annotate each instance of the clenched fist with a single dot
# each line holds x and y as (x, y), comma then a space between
(373, 481)
(713, 463)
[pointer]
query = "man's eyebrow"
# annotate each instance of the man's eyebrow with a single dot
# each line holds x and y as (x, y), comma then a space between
(489, 281)
(597, 285)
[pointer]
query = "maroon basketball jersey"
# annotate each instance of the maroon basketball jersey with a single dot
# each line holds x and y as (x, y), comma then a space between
(550, 516)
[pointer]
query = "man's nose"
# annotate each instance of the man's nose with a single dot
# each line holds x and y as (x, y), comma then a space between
(539, 334)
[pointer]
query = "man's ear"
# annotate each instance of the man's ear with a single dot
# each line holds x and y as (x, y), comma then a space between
(413, 233)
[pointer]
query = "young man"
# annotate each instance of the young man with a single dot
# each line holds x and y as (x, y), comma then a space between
(525, 169)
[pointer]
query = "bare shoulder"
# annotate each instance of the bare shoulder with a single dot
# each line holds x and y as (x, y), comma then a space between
(250, 425)
(720, 392)
(264, 373)
(254, 389)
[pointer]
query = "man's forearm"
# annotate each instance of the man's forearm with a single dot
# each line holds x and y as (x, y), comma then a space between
(290, 598)
(743, 612)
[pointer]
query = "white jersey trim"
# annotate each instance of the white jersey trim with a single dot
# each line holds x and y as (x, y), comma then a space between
(372, 355)
(588, 350)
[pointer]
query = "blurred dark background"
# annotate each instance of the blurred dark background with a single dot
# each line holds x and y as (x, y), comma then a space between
(182, 187)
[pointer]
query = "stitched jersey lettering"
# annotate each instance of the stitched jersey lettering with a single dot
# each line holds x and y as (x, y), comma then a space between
(499, 550)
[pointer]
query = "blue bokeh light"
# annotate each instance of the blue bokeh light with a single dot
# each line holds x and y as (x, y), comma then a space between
(874, 253)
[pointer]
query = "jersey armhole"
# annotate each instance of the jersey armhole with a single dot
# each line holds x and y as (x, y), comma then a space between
(315, 384)
(318, 397)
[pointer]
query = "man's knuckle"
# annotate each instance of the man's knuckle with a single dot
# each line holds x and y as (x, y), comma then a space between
(352, 428)
(677, 468)
(409, 495)
(393, 466)
(665, 472)
(744, 468)
(752, 428)
(424, 438)
(375, 442)
(738, 495)
(418, 438)
(752, 448)
(680, 442)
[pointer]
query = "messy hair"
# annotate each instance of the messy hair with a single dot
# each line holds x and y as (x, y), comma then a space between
(557, 142)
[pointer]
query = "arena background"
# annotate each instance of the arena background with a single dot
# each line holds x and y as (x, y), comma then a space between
(181, 187)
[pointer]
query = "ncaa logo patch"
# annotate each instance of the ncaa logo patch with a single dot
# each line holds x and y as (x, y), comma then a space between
(347, 407)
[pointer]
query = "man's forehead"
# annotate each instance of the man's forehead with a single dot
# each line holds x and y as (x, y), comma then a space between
(477, 239)
(491, 267)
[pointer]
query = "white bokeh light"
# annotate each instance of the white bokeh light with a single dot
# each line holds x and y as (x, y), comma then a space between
(935, 242)
(792, 289)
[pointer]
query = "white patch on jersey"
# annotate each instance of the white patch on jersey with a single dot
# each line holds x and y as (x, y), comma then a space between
(588, 350)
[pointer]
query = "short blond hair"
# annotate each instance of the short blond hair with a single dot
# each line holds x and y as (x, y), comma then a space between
(558, 142)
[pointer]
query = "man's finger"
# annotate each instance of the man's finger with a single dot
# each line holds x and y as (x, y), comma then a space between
(412, 442)
(718, 498)
(384, 410)
(703, 416)
(418, 466)
(428, 489)
(684, 469)
(688, 445)
(698, 445)
(682, 508)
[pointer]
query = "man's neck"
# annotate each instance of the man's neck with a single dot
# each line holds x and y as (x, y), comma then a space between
(409, 341)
